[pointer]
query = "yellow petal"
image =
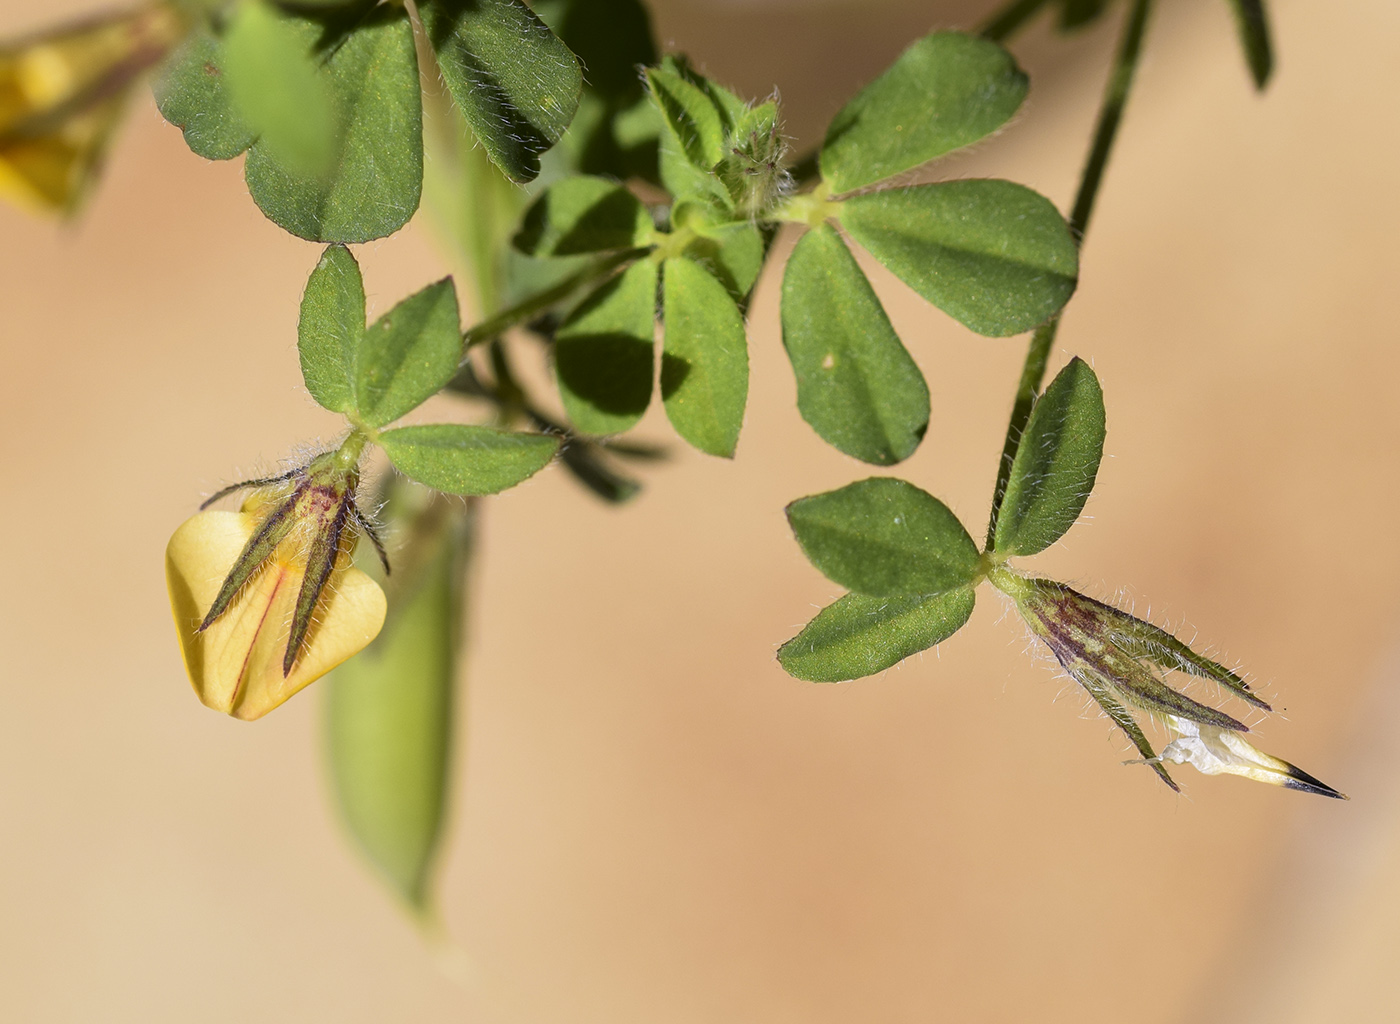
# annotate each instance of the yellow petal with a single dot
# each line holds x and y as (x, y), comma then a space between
(53, 172)
(236, 664)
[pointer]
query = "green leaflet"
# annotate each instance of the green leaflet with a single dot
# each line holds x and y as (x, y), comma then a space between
(388, 712)
(1056, 463)
(944, 92)
(992, 254)
(408, 354)
(516, 84)
(583, 215)
(192, 94)
(884, 537)
(604, 353)
(860, 635)
(331, 329)
(856, 384)
(370, 68)
(691, 117)
(705, 359)
(692, 134)
(274, 79)
(462, 459)
(731, 251)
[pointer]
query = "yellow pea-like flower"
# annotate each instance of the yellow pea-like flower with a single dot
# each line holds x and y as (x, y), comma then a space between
(265, 599)
(62, 94)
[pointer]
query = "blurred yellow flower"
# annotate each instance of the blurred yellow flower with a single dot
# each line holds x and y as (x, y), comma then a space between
(61, 95)
(265, 599)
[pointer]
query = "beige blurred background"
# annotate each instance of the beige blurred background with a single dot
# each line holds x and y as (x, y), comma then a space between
(651, 821)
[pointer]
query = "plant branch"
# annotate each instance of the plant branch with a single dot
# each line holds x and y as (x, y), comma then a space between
(1120, 82)
(533, 305)
(1009, 19)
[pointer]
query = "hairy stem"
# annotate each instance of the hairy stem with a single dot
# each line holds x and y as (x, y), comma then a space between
(1120, 82)
(533, 305)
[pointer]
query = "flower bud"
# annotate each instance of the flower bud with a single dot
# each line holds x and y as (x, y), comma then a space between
(1120, 659)
(266, 599)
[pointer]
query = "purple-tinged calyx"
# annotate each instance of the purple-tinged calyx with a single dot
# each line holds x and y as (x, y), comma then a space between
(1119, 660)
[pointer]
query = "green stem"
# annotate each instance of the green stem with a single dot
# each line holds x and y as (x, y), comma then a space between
(1120, 82)
(531, 306)
(1010, 18)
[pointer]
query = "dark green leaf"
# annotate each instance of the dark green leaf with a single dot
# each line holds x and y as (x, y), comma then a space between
(389, 711)
(705, 359)
(605, 353)
(1253, 25)
(193, 95)
(461, 459)
(582, 215)
(884, 537)
(585, 462)
(1056, 463)
(992, 254)
(331, 329)
(611, 37)
(274, 80)
(861, 635)
(371, 69)
(944, 92)
(856, 384)
(408, 354)
(513, 80)
(1078, 13)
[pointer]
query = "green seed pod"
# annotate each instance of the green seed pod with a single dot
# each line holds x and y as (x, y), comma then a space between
(389, 711)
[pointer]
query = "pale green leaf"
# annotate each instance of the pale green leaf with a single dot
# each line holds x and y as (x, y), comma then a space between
(273, 78)
(369, 65)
